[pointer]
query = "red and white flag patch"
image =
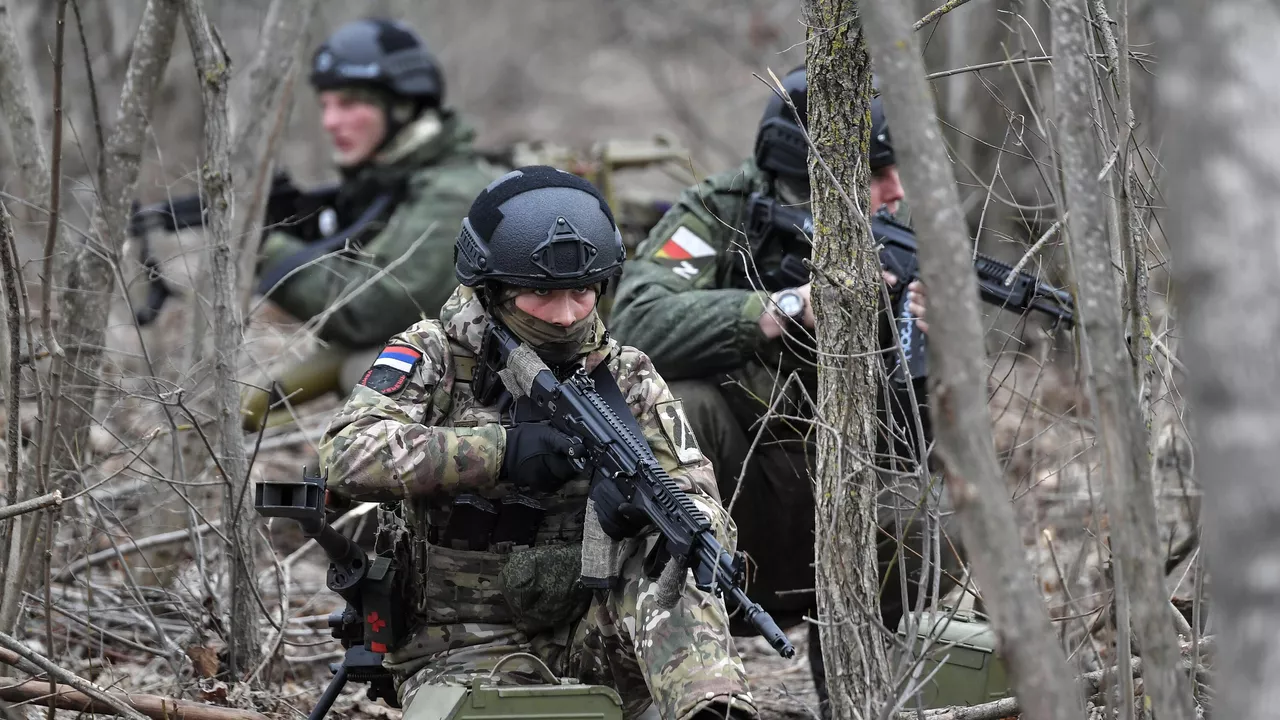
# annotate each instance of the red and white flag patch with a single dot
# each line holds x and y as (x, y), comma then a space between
(684, 244)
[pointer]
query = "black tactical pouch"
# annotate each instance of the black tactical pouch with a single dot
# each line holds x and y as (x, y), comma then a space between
(471, 523)
(519, 517)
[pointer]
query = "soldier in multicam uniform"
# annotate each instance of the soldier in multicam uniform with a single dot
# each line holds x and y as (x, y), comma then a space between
(488, 498)
(727, 365)
(409, 173)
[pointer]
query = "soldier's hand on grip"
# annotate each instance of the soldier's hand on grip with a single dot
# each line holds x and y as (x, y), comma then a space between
(539, 457)
(618, 518)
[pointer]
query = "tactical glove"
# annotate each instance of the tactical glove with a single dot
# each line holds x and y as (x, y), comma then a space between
(619, 518)
(538, 457)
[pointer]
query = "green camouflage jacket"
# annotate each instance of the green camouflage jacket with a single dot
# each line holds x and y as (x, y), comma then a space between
(434, 172)
(687, 300)
(425, 440)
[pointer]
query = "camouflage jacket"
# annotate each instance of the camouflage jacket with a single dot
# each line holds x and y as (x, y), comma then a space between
(696, 263)
(400, 269)
(428, 440)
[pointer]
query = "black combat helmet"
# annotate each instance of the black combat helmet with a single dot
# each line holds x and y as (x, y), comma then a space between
(538, 227)
(881, 151)
(780, 145)
(381, 53)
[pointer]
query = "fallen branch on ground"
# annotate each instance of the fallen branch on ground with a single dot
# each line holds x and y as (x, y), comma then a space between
(136, 546)
(19, 653)
(152, 706)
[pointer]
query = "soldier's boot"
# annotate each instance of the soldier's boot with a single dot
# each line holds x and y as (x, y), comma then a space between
(313, 377)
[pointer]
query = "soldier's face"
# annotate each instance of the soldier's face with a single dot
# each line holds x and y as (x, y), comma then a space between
(355, 127)
(886, 188)
(558, 307)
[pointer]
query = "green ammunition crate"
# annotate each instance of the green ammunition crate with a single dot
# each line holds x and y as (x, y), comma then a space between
(971, 672)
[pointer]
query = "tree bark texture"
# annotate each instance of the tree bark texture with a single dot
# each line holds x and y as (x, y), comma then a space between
(957, 380)
(845, 295)
(213, 70)
(91, 269)
(20, 113)
(1222, 104)
(1127, 484)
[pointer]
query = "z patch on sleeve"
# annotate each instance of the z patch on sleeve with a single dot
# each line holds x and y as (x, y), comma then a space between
(389, 374)
(686, 253)
(678, 432)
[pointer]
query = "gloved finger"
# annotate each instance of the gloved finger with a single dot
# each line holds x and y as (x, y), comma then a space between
(556, 440)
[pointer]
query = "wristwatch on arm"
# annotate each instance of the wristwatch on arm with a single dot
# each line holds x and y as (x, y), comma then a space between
(789, 303)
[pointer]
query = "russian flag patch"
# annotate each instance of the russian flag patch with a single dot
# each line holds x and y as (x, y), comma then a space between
(390, 372)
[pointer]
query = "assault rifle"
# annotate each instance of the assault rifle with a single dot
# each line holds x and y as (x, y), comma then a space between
(373, 621)
(610, 446)
(770, 221)
(306, 214)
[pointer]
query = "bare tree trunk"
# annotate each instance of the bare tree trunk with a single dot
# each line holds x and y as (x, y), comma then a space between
(91, 270)
(265, 112)
(213, 70)
(19, 112)
(845, 288)
(957, 381)
(1128, 489)
(1222, 102)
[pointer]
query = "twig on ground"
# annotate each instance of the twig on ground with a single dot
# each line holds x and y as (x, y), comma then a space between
(150, 706)
(146, 543)
(20, 650)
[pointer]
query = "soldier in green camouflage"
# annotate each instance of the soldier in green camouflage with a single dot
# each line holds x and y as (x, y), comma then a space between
(409, 173)
(491, 510)
(709, 306)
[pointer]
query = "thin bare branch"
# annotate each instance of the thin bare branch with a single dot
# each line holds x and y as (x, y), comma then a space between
(937, 13)
(18, 108)
(213, 71)
(52, 499)
(1128, 489)
(263, 115)
(89, 270)
(135, 546)
(958, 369)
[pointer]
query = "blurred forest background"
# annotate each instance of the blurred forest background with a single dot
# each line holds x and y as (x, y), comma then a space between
(569, 72)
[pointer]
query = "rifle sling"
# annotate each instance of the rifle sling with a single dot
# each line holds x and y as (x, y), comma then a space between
(276, 274)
